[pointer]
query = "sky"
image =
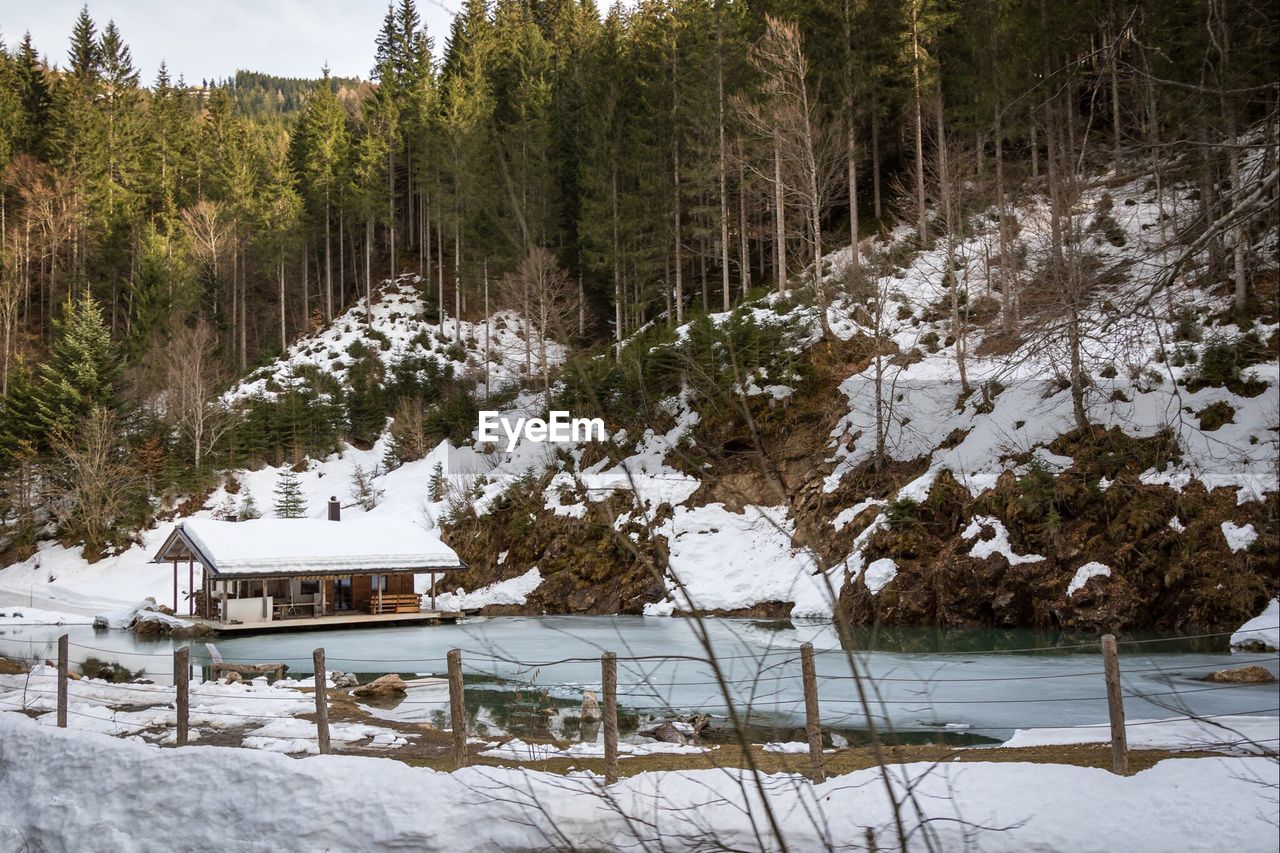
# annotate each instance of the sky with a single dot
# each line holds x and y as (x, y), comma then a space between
(211, 39)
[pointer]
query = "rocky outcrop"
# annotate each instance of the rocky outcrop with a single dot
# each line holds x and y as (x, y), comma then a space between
(1241, 675)
(386, 687)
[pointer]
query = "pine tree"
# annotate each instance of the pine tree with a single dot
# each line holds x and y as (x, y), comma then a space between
(79, 373)
(437, 487)
(248, 507)
(289, 501)
(37, 102)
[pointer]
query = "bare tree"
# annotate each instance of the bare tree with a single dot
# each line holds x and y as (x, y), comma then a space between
(805, 164)
(91, 481)
(210, 232)
(544, 294)
(193, 376)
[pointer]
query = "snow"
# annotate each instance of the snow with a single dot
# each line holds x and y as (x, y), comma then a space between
(1263, 628)
(1088, 570)
(879, 573)
(508, 592)
(997, 544)
(848, 514)
(36, 616)
(727, 560)
(792, 747)
(96, 793)
(400, 332)
(519, 750)
(1238, 538)
(292, 736)
(1226, 734)
(300, 545)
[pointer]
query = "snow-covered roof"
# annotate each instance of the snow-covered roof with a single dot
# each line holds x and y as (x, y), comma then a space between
(307, 546)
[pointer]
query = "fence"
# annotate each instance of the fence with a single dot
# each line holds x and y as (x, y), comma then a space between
(609, 700)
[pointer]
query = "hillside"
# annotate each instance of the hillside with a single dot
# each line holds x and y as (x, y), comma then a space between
(756, 487)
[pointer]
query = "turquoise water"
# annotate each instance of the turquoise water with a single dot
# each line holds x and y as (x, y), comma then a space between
(527, 674)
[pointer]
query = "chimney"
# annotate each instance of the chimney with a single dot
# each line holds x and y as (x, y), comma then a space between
(335, 509)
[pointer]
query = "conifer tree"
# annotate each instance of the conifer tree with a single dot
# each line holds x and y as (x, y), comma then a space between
(80, 372)
(289, 500)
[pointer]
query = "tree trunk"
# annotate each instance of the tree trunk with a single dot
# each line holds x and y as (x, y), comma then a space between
(875, 160)
(744, 251)
(328, 263)
(723, 167)
(368, 270)
(779, 236)
(923, 212)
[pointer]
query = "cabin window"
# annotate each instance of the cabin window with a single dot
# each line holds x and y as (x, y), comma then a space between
(310, 587)
(379, 583)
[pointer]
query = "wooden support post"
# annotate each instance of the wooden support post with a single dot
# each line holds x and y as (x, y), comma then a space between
(609, 692)
(222, 617)
(433, 590)
(265, 611)
(175, 586)
(322, 702)
(182, 685)
(1115, 706)
(457, 709)
(191, 587)
(63, 642)
(812, 720)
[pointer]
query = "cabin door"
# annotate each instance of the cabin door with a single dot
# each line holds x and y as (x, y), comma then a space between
(342, 594)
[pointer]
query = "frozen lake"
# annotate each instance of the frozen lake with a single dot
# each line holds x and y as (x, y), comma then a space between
(974, 684)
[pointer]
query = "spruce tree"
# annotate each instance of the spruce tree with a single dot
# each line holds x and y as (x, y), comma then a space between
(289, 501)
(79, 372)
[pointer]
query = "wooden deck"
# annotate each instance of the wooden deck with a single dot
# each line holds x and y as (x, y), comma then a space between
(326, 623)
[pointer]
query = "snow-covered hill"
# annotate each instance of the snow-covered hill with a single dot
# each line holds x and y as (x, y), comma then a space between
(1139, 353)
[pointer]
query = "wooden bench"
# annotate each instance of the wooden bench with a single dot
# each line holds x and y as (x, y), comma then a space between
(395, 603)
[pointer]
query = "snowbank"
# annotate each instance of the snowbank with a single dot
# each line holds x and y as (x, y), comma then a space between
(1226, 734)
(728, 560)
(96, 793)
(1263, 628)
(35, 616)
(511, 591)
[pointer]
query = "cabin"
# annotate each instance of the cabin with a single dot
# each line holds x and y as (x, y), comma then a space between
(276, 574)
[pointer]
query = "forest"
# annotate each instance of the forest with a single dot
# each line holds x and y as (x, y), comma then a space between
(610, 170)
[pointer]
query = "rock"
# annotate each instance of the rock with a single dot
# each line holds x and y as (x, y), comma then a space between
(344, 679)
(100, 623)
(105, 673)
(590, 707)
(1241, 675)
(668, 733)
(382, 688)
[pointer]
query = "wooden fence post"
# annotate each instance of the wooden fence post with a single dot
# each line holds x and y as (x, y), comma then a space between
(1115, 707)
(457, 709)
(609, 689)
(62, 681)
(812, 720)
(182, 684)
(322, 702)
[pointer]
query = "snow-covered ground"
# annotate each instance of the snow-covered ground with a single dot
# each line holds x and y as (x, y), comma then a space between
(85, 795)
